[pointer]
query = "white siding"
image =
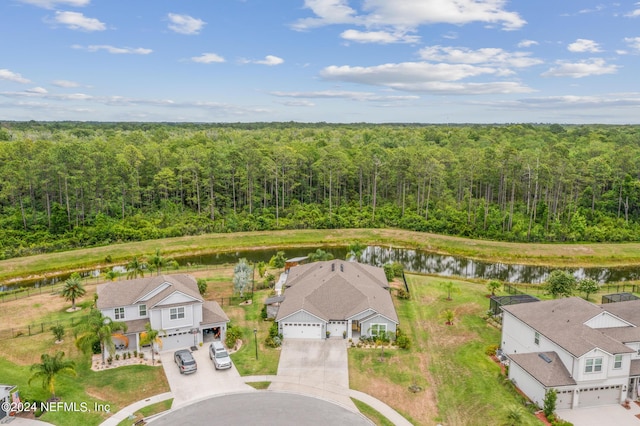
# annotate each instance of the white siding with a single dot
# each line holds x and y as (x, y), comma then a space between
(361, 315)
(155, 291)
(606, 320)
(302, 316)
(365, 326)
(527, 384)
(176, 297)
(167, 323)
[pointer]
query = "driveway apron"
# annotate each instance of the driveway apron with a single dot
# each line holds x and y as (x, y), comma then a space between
(315, 367)
(205, 382)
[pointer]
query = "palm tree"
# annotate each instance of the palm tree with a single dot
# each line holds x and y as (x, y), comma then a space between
(354, 250)
(98, 328)
(320, 255)
(151, 336)
(135, 267)
(448, 315)
(49, 368)
(73, 289)
(158, 261)
(111, 275)
(493, 286)
(450, 287)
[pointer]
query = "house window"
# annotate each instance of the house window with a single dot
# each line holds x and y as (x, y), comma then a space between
(143, 310)
(177, 313)
(376, 329)
(119, 313)
(593, 365)
(536, 338)
(617, 363)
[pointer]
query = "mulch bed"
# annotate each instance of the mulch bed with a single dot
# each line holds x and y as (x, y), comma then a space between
(540, 415)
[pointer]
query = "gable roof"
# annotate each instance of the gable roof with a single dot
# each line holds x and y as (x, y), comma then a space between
(212, 313)
(336, 290)
(562, 322)
(552, 373)
(130, 292)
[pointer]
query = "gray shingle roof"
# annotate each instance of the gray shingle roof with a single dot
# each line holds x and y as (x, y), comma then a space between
(550, 374)
(212, 313)
(562, 321)
(337, 290)
(124, 293)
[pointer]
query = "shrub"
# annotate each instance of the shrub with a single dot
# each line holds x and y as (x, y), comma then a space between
(549, 405)
(233, 334)
(263, 312)
(117, 357)
(491, 350)
(202, 286)
(403, 294)
(58, 332)
(273, 330)
(404, 342)
(388, 271)
(397, 269)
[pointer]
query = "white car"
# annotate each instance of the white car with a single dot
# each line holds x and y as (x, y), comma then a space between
(219, 355)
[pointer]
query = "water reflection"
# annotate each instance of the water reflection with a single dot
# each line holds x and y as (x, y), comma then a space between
(412, 260)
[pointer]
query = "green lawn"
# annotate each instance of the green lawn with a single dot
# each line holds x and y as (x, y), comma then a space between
(459, 384)
(371, 413)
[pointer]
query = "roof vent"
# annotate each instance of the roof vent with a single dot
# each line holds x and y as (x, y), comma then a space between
(545, 358)
(333, 267)
(341, 267)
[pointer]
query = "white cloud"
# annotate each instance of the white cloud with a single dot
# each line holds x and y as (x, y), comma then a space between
(5, 74)
(615, 100)
(51, 4)
(584, 45)
(38, 90)
(409, 13)
(345, 94)
(115, 50)
(77, 21)
(593, 66)
(380, 37)
(65, 83)
(424, 77)
(185, 24)
(207, 58)
(487, 56)
(527, 43)
(298, 103)
(269, 60)
(633, 42)
(634, 13)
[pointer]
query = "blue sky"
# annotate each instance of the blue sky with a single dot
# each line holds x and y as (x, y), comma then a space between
(427, 61)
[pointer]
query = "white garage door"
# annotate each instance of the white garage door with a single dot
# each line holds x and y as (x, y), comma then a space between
(302, 330)
(336, 328)
(176, 341)
(564, 399)
(603, 395)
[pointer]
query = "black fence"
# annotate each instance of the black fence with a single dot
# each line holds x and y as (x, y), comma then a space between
(39, 328)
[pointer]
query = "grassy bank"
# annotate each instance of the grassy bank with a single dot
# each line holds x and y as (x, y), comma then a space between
(543, 254)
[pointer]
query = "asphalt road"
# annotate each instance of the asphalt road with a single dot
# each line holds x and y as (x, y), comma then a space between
(262, 408)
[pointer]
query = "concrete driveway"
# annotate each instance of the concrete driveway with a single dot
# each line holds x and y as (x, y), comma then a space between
(602, 415)
(205, 382)
(315, 367)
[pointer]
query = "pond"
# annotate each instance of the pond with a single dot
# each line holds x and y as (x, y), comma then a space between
(412, 260)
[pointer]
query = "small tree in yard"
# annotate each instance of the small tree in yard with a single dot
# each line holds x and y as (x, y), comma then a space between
(493, 286)
(549, 404)
(152, 337)
(49, 368)
(58, 332)
(560, 283)
(278, 260)
(241, 276)
(450, 287)
(73, 289)
(588, 286)
(514, 415)
(202, 286)
(448, 315)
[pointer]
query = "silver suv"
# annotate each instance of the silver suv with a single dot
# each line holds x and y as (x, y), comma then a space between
(219, 355)
(185, 361)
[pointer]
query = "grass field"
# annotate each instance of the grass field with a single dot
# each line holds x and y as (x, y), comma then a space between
(546, 254)
(460, 384)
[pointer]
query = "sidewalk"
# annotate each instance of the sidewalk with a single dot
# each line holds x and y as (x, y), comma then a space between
(131, 409)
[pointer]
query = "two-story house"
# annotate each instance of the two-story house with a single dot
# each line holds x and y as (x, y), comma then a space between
(589, 354)
(171, 303)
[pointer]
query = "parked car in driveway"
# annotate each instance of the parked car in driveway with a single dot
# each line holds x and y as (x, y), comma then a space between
(219, 355)
(186, 362)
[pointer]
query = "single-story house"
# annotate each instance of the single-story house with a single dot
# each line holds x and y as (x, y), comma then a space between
(590, 354)
(336, 298)
(171, 303)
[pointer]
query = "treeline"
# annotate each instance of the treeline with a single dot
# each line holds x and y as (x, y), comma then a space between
(71, 184)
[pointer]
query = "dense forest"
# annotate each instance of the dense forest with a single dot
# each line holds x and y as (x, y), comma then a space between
(74, 184)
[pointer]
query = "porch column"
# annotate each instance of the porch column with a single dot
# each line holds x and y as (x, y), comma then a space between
(576, 398)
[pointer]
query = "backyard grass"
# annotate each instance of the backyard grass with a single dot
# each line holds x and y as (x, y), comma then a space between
(526, 253)
(458, 383)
